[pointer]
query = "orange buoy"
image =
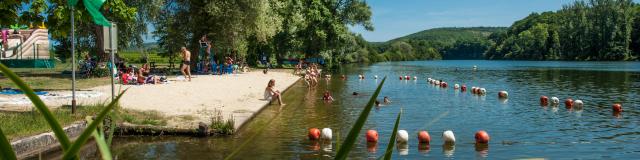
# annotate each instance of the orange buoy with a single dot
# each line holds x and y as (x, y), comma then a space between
(423, 137)
(617, 107)
(372, 136)
(568, 103)
(482, 137)
(314, 134)
(544, 100)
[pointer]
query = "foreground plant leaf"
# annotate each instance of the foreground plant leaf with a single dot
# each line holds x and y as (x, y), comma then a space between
(37, 102)
(6, 151)
(392, 139)
(351, 138)
(103, 147)
(75, 147)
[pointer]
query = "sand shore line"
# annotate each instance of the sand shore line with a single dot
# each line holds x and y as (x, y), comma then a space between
(185, 104)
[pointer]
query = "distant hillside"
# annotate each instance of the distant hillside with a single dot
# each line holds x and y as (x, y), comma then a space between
(440, 43)
(451, 34)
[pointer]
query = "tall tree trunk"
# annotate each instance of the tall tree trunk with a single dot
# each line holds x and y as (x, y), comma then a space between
(102, 55)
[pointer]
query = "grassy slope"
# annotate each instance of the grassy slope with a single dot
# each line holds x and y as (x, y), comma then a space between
(450, 35)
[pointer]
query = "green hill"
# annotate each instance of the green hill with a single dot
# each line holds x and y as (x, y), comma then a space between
(440, 43)
(451, 34)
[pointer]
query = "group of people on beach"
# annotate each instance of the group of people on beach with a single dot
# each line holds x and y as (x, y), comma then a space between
(139, 76)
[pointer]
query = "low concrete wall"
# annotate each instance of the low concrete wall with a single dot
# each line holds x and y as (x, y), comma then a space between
(30, 146)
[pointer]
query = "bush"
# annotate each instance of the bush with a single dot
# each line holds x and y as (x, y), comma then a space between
(100, 72)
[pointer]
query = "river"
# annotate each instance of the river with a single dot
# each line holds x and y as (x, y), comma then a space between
(519, 127)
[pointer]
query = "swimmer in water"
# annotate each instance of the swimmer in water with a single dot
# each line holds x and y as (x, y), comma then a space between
(327, 96)
(377, 103)
(355, 93)
(386, 100)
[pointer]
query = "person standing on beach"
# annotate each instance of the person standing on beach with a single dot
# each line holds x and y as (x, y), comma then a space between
(186, 63)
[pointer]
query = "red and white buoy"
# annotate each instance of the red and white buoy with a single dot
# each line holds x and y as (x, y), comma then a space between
(372, 136)
(568, 103)
(544, 100)
(400, 77)
(503, 94)
(314, 134)
(474, 90)
(617, 107)
(423, 137)
(406, 77)
(482, 137)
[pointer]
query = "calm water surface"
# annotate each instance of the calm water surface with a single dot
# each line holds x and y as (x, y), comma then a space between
(519, 127)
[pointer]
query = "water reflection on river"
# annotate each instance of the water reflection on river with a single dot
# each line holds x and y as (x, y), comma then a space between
(519, 127)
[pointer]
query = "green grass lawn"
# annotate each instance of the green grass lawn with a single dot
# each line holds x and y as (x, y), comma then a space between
(16, 125)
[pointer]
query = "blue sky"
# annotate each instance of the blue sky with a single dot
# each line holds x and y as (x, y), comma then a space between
(396, 18)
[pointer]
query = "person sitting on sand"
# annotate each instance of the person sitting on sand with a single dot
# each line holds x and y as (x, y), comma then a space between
(145, 69)
(327, 96)
(151, 79)
(386, 100)
(271, 92)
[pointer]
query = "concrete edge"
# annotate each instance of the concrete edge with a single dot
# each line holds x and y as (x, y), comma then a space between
(250, 118)
(33, 145)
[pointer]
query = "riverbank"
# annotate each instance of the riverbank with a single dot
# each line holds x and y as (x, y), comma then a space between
(205, 98)
(184, 104)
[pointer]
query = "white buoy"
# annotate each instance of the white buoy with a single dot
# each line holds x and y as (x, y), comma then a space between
(415, 77)
(456, 86)
(326, 134)
(402, 137)
(483, 91)
(578, 104)
(375, 77)
(555, 101)
(448, 137)
(437, 82)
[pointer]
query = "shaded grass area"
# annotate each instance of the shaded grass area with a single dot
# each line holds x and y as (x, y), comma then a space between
(52, 78)
(22, 124)
(56, 82)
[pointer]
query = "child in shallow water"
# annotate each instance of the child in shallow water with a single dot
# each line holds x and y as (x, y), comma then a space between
(327, 96)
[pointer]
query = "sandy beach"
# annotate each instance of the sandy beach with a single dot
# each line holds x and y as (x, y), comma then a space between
(237, 96)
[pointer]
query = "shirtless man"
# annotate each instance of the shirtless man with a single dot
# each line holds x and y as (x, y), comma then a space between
(186, 63)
